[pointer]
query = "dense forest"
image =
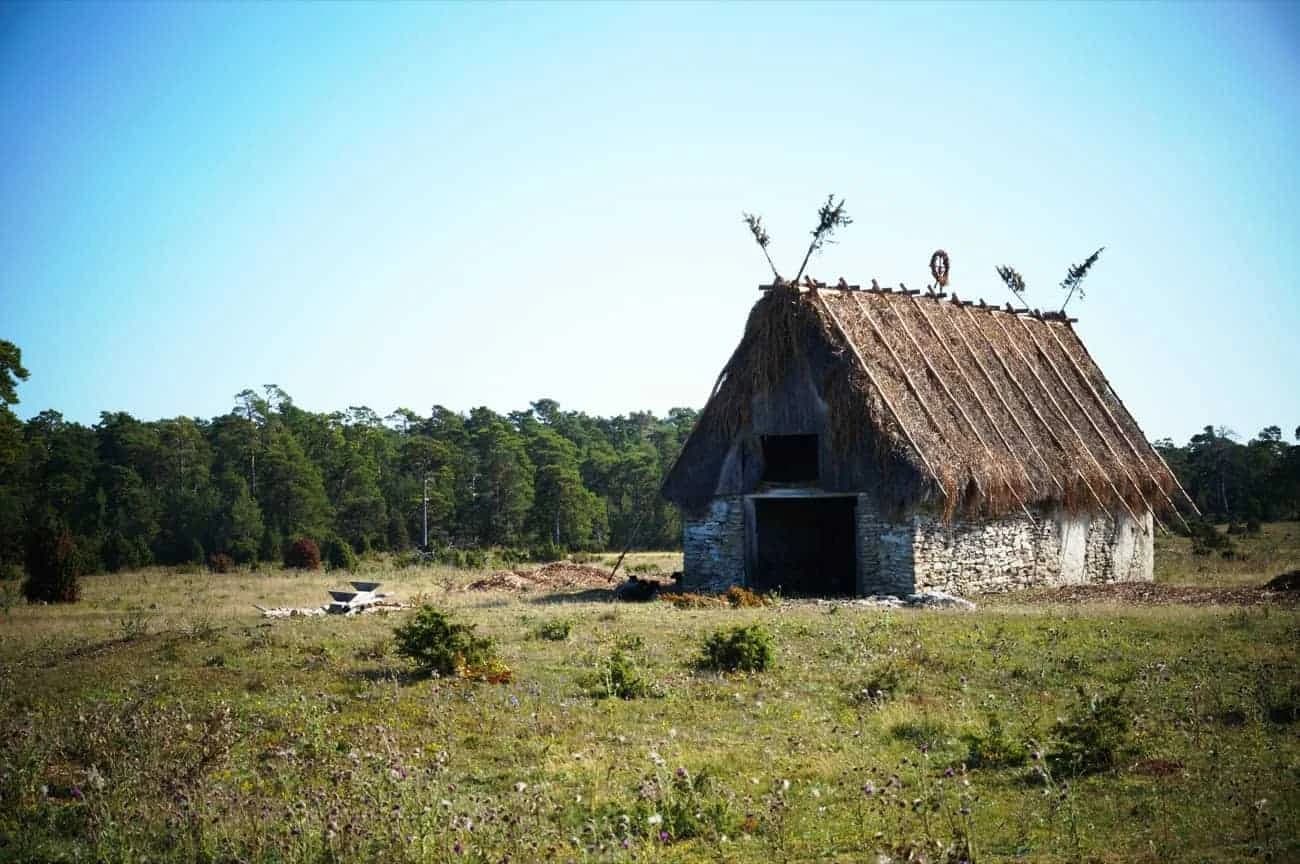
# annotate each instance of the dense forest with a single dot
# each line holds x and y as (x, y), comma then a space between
(128, 492)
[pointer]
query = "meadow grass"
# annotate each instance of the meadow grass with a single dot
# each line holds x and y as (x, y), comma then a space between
(162, 719)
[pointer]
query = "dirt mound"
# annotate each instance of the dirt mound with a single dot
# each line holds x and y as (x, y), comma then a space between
(1150, 594)
(1285, 582)
(557, 576)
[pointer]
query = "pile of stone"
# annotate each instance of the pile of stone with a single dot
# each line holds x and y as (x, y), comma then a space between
(921, 600)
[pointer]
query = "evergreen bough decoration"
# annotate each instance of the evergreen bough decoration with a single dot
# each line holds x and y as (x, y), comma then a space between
(1013, 280)
(830, 216)
(1074, 277)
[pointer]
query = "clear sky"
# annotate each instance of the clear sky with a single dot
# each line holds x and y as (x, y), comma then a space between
(410, 204)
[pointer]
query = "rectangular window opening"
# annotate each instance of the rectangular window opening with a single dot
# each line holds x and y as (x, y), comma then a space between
(790, 459)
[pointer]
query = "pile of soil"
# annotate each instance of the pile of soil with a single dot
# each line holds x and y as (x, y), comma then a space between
(1152, 594)
(557, 576)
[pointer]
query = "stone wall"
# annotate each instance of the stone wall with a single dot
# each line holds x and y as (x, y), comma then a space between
(926, 553)
(713, 545)
(1057, 548)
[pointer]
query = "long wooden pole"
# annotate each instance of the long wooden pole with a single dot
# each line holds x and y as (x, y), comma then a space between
(883, 396)
(1111, 388)
(988, 376)
(1123, 434)
(961, 373)
(907, 376)
(1050, 398)
(1078, 403)
(961, 409)
(1051, 433)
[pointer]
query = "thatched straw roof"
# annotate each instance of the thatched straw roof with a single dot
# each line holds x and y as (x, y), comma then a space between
(985, 410)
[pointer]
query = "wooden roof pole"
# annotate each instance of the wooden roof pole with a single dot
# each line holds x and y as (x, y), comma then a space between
(988, 376)
(884, 398)
(1163, 463)
(1078, 403)
(907, 376)
(1078, 370)
(1033, 408)
(962, 410)
(961, 373)
(1068, 422)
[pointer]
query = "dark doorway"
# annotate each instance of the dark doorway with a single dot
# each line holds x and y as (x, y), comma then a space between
(805, 546)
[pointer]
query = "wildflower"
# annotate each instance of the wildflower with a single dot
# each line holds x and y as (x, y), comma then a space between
(868, 788)
(681, 773)
(656, 758)
(949, 772)
(457, 848)
(816, 793)
(521, 786)
(785, 785)
(664, 837)
(655, 819)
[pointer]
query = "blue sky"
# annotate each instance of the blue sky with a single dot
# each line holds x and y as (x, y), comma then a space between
(403, 205)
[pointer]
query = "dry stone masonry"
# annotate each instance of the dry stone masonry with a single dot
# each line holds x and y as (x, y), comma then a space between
(926, 553)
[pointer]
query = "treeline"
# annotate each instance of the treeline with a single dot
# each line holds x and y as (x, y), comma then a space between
(125, 493)
(1258, 481)
(248, 483)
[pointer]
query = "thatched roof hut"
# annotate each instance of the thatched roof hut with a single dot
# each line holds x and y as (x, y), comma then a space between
(929, 404)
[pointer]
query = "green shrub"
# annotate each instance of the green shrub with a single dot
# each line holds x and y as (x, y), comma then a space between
(738, 649)
(53, 572)
(546, 552)
(993, 748)
(1092, 737)
(619, 677)
(304, 554)
(437, 644)
(339, 555)
(883, 681)
(923, 732)
(1206, 539)
(555, 630)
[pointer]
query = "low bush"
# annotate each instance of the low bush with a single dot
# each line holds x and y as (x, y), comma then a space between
(555, 630)
(743, 598)
(546, 552)
(738, 649)
(435, 643)
(304, 554)
(882, 682)
(1206, 539)
(220, 562)
(339, 555)
(1092, 737)
(619, 677)
(994, 747)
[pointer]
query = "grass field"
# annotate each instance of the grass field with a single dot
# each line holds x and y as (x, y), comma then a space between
(162, 719)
